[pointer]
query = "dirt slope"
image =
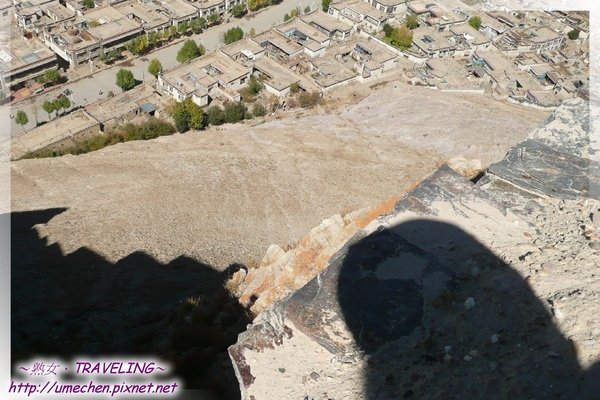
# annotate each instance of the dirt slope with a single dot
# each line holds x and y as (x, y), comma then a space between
(226, 194)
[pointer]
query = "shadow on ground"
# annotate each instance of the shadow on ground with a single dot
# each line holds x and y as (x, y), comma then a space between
(80, 304)
(402, 293)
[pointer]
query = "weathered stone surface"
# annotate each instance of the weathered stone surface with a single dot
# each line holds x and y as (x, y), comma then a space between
(458, 291)
(538, 168)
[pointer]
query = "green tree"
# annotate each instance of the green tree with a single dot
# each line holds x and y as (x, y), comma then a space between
(252, 32)
(183, 28)
(138, 45)
(475, 22)
(215, 115)
(239, 10)
(188, 115)
(295, 12)
(50, 76)
(182, 120)
(189, 51)
(412, 22)
(153, 39)
(198, 24)
(254, 86)
(214, 19)
(387, 29)
(125, 79)
(294, 88)
(172, 31)
(234, 112)
(325, 4)
(233, 35)
(62, 103)
(88, 4)
(286, 17)
(306, 9)
(258, 110)
(574, 34)
(22, 119)
(49, 107)
(401, 37)
(154, 67)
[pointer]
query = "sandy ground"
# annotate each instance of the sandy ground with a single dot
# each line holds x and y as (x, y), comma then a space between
(225, 194)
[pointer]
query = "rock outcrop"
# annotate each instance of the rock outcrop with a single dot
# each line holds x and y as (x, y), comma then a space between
(455, 290)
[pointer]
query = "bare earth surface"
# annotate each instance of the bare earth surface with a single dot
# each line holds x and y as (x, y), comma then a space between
(226, 194)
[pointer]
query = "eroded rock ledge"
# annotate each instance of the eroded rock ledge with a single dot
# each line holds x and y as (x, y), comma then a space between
(453, 290)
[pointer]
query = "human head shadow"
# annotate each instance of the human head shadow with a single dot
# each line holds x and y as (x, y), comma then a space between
(402, 292)
(81, 304)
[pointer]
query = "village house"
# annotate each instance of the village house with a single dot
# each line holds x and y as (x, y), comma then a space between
(139, 102)
(538, 39)
(22, 59)
(432, 43)
(243, 51)
(365, 56)
(7, 12)
(150, 15)
(360, 14)
(57, 134)
(329, 26)
(179, 10)
(28, 12)
(204, 79)
(278, 46)
(442, 19)
(469, 39)
(329, 73)
(389, 6)
(92, 35)
(310, 38)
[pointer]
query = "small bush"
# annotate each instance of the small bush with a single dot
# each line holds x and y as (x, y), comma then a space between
(216, 115)
(574, 34)
(234, 112)
(150, 129)
(309, 100)
(259, 110)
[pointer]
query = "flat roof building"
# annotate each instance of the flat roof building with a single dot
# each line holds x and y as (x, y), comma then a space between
(150, 15)
(92, 35)
(328, 25)
(278, 46)
(309, 37)
(56, 134)
(22, 59)
(204, 79)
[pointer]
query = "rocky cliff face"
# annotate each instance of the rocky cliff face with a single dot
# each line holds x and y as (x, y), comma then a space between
(453, 290)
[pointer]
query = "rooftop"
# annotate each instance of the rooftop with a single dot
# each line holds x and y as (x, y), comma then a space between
(279, 77)
(288, 46)
(429, 39)
(112, 23)
(204, 72)
(362, 8)
(148, 12)
(469, 33)
(179, 8)
(370, 52)
(304, 34)
(18, 52)
(241, 45)
(204, 4)
(326, 22)
(331, 72)
(51, 132)
(121, 104)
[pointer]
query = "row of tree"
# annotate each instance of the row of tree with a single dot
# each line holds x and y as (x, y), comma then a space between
(61, 103)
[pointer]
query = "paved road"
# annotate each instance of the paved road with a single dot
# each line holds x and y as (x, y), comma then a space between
(87, 90)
